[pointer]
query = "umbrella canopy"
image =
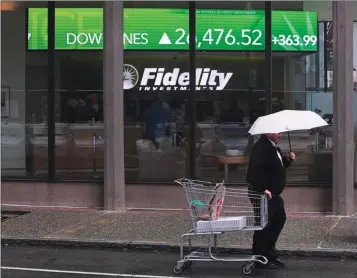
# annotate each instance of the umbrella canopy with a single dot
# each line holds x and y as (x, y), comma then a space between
(285, 121)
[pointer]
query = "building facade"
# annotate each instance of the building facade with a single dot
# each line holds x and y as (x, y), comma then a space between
(105, 104)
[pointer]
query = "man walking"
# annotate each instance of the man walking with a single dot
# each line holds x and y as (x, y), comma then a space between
(267, 174)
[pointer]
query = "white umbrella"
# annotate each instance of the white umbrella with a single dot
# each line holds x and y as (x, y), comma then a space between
(285, 121)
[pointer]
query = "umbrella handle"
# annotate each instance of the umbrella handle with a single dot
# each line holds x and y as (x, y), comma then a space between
(289, 141)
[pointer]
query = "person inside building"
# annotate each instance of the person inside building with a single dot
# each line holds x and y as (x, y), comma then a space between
(94, 108)
(155, 117)
(177, 121)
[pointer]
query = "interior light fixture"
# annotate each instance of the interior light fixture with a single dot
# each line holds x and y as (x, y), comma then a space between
(9, 5)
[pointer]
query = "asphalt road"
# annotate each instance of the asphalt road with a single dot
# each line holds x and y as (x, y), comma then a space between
(47, 262)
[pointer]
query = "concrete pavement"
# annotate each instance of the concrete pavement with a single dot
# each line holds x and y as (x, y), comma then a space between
(49, 262)
(302, 235)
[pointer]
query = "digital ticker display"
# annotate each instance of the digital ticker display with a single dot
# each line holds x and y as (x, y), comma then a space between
(167, 29)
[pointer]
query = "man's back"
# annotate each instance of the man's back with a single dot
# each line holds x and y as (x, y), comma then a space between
(266, 170)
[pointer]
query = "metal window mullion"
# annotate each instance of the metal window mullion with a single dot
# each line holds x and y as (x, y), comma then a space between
(51, 91)
(325, 56)
(268, 59)
(192, 97)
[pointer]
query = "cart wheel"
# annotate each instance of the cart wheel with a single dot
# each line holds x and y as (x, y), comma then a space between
(177, 270)
(187, 264)
(247, 269)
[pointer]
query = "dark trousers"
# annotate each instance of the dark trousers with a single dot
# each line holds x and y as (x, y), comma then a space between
(264, 241)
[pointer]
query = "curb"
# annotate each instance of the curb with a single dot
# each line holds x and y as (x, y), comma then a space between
(163, 246)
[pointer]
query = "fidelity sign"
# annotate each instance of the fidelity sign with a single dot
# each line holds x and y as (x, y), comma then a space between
(158, 79)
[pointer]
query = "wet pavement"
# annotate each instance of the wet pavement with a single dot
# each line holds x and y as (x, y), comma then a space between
(50, 262)
(301, 232)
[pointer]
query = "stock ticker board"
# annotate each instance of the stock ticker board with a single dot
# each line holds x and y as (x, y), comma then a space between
(168, 29)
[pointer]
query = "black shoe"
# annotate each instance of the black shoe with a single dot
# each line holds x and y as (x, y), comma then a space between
(269, 265)
(278, 263)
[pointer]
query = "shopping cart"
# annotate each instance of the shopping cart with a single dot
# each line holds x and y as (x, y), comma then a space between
(215, 210)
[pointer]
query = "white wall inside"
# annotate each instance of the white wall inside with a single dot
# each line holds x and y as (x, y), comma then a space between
(324, 101)
(13, 58)
(296, 78)
(323, 9)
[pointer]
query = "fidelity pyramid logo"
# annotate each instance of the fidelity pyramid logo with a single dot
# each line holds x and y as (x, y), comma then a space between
(159, 79)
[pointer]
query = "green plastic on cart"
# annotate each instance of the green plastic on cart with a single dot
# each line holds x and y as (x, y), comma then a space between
(198, 204)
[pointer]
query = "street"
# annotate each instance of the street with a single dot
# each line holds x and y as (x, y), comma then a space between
(48, 262)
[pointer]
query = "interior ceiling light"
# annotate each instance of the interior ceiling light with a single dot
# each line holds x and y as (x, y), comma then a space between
(9, 5)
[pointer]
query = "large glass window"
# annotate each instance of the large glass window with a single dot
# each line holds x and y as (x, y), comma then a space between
(326, 101)
(79, 115)
(24, 147)
(79, 132)
(156, 123)
(224, 114)
(231, 88)
(234, 32)
(301, 87)
(156, 132)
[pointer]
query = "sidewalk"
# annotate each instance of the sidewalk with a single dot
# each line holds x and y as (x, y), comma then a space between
(303, 234)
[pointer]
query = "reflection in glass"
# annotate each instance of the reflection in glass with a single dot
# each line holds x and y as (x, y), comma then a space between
(303, 76)
(225, 115)
(155, 116)
(79, 116)
(23, 143)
